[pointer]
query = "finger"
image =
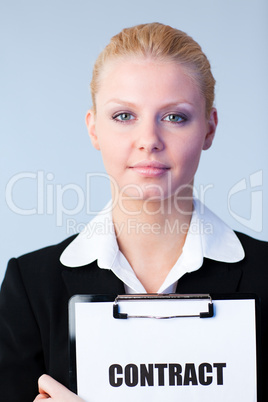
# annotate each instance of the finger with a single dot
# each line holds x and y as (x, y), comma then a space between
(56, 391)
(41, 397)
(50, 387)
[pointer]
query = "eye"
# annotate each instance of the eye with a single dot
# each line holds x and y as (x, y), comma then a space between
(174, 118)
(123, 117)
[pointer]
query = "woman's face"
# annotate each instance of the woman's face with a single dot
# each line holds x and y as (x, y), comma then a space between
(151, 126)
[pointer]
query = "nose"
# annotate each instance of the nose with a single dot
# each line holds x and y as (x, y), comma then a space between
(150, 138)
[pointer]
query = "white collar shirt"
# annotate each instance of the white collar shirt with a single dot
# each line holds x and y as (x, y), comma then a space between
(208, 237)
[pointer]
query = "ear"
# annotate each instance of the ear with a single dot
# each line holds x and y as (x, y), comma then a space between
(211, 129)
(91, 128)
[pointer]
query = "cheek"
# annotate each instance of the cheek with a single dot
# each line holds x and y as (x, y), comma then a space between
(114, 147)
(113, 156)
(188, 153)
(187, 161)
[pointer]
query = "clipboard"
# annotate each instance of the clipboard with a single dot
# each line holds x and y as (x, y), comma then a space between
(198, 348)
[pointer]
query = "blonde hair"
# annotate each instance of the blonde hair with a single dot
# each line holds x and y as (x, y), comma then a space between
(162, 43)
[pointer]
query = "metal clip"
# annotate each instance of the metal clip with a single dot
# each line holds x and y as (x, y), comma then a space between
(148, 297)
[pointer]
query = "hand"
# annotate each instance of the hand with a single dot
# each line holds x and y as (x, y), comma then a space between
(50, 389)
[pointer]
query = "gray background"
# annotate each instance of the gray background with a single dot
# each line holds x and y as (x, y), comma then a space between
(47, 52)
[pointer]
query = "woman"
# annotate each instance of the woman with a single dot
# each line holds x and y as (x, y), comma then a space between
(152, 115)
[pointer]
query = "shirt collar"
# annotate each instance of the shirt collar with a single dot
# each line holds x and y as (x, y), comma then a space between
(208, 237)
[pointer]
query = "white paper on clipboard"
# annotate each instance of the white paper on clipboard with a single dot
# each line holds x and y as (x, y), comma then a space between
(148, 359)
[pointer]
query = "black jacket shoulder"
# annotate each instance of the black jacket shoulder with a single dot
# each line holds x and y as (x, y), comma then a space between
(45, 254)
(253, 247)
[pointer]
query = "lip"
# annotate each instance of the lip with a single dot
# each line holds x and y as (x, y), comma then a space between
(149, 168)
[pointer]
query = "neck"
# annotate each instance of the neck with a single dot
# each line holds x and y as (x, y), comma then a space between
(151, 236)
(152, 213)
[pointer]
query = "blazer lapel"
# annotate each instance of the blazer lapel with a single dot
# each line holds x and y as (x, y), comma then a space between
(212, 277)
(90, 279)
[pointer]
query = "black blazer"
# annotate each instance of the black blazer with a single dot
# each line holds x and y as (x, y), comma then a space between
(34, 309)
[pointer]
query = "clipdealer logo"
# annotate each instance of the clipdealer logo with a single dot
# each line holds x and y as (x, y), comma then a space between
(47, 197)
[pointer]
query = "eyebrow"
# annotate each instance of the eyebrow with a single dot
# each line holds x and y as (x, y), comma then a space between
(130, 104)
(120, 101)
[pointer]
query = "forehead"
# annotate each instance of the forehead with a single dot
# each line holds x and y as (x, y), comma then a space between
(144, 79)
